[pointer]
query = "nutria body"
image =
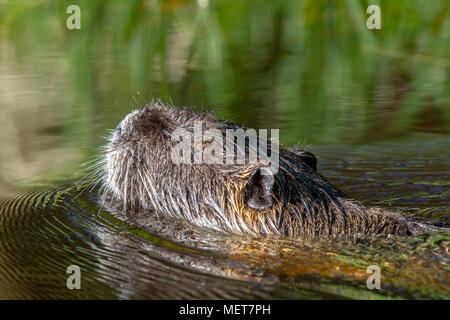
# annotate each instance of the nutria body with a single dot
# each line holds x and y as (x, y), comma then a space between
(248, 198)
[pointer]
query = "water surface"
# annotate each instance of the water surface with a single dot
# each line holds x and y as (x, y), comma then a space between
(46, 229)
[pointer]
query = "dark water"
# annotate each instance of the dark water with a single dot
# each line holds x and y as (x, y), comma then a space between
(46, 229)
(373, 105)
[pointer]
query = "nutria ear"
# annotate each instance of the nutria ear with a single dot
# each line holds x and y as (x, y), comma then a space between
(308, 158)
(258, 191)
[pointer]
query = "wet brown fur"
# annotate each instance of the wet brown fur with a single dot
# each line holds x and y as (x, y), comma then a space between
(140, 174)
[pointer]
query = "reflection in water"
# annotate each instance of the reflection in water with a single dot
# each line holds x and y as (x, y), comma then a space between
(139, 255)
(284, 65)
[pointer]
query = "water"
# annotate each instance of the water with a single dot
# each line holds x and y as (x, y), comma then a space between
(46, 229)
(373, 107)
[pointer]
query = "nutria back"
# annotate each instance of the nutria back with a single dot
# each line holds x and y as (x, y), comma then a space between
(176, 162)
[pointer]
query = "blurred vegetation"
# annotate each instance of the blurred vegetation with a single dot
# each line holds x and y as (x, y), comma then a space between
(310, 68)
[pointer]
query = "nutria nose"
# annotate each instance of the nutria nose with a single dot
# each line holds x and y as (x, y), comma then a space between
(118, 131)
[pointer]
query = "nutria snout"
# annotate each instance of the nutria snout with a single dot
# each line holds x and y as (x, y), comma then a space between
(247, 197)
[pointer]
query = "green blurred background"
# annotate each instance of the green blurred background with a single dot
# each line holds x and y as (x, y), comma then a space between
(310, 68)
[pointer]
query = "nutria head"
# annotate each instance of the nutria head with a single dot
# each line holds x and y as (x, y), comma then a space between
(144, 173)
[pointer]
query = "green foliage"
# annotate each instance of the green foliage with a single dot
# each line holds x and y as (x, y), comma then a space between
(310, 68)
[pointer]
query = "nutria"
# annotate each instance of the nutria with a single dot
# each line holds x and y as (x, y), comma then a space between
(247, 198)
